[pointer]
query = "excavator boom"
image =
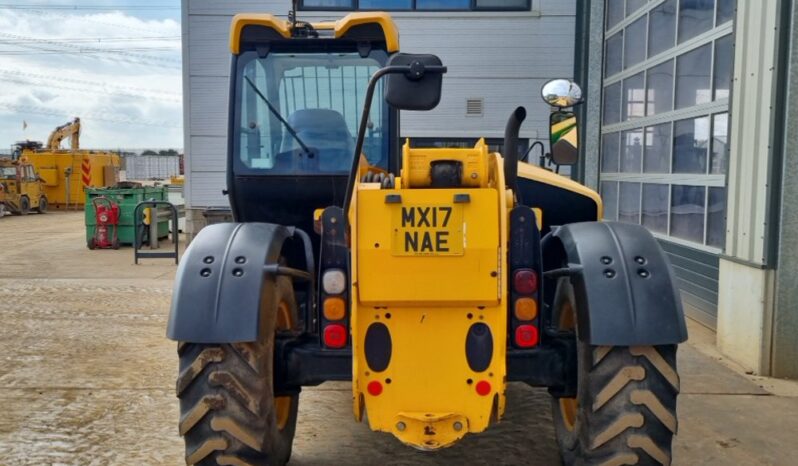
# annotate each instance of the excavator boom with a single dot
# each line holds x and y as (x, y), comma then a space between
(70, 130)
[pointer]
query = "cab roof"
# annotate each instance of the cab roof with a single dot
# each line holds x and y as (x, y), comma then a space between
(358, 26)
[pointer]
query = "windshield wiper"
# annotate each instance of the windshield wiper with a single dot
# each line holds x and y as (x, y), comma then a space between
(274, 111)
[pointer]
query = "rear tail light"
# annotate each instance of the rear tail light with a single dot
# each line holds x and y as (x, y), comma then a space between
(526, 336)
(333, 281)
(335, 336)
(526, 309)
(334, 308)
(525, 281)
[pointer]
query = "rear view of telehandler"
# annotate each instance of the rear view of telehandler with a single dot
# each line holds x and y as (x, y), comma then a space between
(430, 278)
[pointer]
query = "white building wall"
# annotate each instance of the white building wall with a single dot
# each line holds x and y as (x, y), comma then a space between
(501, 57)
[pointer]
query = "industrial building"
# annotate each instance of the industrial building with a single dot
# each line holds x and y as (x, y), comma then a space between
(686, 127)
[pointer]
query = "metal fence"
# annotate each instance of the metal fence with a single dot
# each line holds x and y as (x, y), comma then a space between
(151, 167)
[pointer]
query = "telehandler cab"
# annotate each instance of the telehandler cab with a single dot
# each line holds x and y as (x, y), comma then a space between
(430, 278)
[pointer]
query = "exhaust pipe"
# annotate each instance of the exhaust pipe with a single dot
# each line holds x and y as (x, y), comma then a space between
(511, 148)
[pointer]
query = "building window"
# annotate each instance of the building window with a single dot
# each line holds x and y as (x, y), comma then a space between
(662, 28)
(419, 5)
(395, 5)
(695, 17)
(665, 117)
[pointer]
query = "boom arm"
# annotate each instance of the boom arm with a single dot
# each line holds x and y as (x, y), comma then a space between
(70, 130)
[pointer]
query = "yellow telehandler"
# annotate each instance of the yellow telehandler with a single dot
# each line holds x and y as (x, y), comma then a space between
(428, 277)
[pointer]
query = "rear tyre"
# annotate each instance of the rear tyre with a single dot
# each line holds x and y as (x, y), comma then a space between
(228, 412)
(42, 209)
(624, 412)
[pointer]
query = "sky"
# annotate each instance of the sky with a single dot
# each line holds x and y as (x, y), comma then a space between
(116, 64)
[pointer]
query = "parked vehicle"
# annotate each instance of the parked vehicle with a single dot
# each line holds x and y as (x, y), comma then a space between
(428, 277)
(22, 188)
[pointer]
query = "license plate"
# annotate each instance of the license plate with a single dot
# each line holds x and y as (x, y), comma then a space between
(427, 230)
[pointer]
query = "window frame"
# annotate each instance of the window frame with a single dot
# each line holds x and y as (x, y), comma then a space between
(239, 168)
(710, 110)
(355, 6)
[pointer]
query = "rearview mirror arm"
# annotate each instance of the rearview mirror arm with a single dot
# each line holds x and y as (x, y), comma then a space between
(414, 71)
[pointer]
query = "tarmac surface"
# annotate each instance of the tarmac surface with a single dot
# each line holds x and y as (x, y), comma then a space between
(87, 378)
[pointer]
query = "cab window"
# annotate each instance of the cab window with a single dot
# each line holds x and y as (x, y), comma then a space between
(299, 113)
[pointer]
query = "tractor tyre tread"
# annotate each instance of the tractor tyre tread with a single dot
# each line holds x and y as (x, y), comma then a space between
(225, 414)
(628, 409)
(626, 412)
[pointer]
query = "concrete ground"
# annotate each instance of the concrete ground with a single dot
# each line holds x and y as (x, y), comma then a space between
(87, 377)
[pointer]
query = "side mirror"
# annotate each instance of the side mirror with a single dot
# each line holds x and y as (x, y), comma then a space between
(419, 88)
(563, 138)
(561, 93)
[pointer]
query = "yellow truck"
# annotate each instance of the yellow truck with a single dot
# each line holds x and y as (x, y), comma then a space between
(21, 188)
(66, 173)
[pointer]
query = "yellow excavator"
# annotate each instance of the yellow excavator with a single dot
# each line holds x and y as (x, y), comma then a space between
(429, 278)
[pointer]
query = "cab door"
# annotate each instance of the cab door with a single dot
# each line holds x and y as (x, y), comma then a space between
(32, 187)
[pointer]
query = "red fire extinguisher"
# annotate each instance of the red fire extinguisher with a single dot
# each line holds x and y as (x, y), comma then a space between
(106, 231)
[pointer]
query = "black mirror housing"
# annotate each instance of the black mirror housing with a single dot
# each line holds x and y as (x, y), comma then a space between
(417, 89)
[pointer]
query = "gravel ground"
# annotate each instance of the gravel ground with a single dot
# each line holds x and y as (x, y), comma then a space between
(87, 378)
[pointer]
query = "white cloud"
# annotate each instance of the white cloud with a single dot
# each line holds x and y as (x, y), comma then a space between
(50, 71)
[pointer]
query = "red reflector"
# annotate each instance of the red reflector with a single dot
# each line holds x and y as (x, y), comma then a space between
(335, 336)
(374, 388)
(526, 336)
(525, 281)
(483, 388)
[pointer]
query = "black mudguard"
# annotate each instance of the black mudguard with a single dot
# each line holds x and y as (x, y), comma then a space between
(624, 286)
(220, 282)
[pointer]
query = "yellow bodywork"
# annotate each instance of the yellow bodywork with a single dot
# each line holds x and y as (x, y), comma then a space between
(541, 175)
(339, 28)
(86, 169)
(24, 183)
(429, 299)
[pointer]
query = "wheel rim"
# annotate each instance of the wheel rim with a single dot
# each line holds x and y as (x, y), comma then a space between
(282, 404)
(568, 406)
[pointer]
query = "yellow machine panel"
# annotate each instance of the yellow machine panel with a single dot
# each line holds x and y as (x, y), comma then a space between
(418, 161)
(429, 386)
(408, 246)
(67, 173)
(417, 237)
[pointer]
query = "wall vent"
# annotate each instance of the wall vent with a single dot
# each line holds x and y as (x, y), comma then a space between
(474, 107)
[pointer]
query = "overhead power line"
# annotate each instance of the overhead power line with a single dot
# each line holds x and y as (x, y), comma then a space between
(85, 18)
(45, 6)
(93, 84)
(90, 90)
(97, 116)
(103, 40)
(111, 54)
(84, 52)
